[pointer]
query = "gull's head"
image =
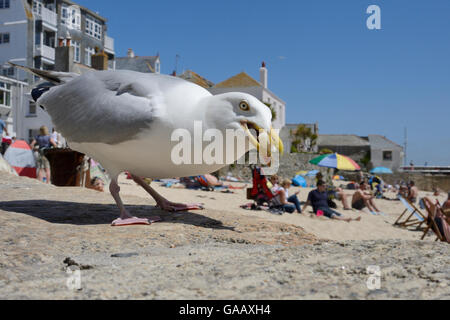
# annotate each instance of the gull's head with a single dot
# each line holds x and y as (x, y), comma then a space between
(241, 111)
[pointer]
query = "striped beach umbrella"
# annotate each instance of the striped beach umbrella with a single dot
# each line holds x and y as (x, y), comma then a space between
(336, 161)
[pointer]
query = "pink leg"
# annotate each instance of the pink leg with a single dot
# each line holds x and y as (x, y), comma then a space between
(125, 218)
(162, 202)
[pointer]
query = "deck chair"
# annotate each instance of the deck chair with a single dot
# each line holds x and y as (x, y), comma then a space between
(415, 218)
(260, 192)
(437, 223)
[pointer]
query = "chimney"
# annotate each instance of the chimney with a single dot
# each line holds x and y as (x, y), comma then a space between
(263, 75)
(130, 53)
(99, 60)
(64, 55)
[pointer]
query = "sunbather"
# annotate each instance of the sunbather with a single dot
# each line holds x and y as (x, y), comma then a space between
(362, 199)
(337, 193)
(282, 198)
(318, 199)
(413, 193)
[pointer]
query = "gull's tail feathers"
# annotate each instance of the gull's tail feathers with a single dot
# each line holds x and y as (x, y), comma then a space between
(54, 77)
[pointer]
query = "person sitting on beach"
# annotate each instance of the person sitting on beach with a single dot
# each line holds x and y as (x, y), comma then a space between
(413, 193)
(282, 198)
(362, 199)
(98, 184)
(337, 193)
(273, 182)
(318, 199)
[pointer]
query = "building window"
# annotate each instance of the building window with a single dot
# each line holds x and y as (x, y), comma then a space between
(71, 16)
(4, 4)
(5, 94)
(37, 7)
(88, 52)
(32, 109)
(387, 155)
(77, 51)
(8, 72)
(158, 67)
(94, 27)
(4, 38)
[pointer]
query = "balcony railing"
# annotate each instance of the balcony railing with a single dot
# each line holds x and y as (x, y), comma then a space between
(109, 44)
(46, 52)
(46, 15)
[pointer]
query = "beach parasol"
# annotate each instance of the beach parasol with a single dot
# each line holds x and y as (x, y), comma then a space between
(20, 156)
(336, 161)
(381, 170)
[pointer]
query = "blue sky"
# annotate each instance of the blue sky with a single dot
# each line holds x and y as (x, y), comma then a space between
(322, 59)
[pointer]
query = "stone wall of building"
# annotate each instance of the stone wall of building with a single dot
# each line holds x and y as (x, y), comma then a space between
(290, 164)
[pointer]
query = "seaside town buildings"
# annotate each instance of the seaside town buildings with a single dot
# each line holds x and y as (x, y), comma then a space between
(30, 32)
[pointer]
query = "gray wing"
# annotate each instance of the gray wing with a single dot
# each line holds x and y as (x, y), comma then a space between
(106, 107)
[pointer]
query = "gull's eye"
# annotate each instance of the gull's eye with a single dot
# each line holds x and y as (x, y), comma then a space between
(244, 106)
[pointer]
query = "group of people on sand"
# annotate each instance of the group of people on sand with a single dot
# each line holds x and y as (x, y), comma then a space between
(318, 199)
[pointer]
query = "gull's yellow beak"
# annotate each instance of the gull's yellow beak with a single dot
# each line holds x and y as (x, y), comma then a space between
(265, 142)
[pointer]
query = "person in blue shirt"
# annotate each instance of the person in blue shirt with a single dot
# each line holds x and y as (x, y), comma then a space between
(318, 199)
(42, 142)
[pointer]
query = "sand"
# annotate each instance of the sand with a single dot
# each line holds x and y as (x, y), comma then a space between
(222, 252)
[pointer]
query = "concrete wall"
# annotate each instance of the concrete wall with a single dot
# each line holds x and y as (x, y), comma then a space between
(394, 165)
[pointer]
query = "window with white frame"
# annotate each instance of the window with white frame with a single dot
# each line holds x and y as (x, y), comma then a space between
(88, 52)
(8, 71)
(37, 7)
(71, 16)
(4, 4)
(94, 27)
(5, 94)
(77, 51)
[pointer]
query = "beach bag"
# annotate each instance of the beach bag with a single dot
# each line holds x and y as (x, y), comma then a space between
(331, 204)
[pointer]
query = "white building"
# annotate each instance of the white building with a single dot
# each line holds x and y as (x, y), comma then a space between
(29, 33)
(12, 94)
(242, 82)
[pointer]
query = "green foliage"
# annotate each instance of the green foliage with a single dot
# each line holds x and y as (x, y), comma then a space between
(326, 151)
(301, 135)
(274, 113)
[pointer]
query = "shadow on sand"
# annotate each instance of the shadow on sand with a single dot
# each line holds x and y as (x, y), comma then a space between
(73, 213)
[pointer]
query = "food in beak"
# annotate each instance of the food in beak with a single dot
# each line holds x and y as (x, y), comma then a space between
(265, 142)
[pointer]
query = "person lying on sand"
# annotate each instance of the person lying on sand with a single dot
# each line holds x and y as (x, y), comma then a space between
(282, 198)
(362, 199)
(318, 199)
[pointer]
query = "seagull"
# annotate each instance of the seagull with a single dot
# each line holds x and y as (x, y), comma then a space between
(126, 120)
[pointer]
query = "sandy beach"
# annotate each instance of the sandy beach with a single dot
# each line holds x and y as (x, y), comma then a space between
(222, 252)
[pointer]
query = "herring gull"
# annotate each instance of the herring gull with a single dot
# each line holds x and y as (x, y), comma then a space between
(125, 120)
